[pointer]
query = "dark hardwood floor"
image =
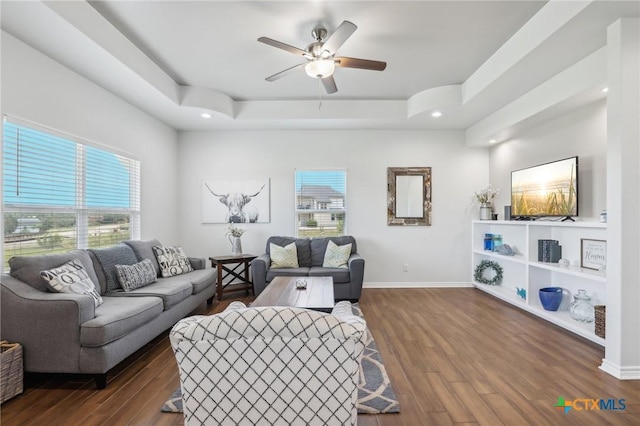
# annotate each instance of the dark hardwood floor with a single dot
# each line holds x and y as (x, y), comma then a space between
(454, 356)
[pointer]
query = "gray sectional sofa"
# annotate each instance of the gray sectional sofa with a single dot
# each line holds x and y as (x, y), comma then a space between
(67, 333)
(347, 282)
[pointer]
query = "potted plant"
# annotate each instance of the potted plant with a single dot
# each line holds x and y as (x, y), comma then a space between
(233, 234)
(485, 197)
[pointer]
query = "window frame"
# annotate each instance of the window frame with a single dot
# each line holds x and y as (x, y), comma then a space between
(81, 208)
(321, 208)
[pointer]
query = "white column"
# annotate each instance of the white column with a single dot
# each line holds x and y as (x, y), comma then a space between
(622, 354)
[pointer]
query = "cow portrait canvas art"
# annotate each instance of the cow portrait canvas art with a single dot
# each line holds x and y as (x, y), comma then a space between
(226, 200)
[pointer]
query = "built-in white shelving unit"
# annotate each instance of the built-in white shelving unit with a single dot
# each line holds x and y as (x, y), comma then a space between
(524, 271)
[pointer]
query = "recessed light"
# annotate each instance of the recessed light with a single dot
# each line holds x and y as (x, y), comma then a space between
(205, 115)
(436, 114)
(605, 90)
(492, 141)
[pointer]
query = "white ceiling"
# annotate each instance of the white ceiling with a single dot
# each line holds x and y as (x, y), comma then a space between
(176, 59)
(213, 44)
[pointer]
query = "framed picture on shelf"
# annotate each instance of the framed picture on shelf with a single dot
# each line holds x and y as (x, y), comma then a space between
(593, 254)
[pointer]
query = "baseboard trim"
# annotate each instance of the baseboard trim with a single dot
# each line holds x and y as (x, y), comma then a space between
(622, 373)
(374, 284)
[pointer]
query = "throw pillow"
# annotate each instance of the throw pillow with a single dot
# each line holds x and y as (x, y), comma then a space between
(336, 256)
(71, 278)
(283, 257)
(109, 257)
(172, 261)
(136, 276)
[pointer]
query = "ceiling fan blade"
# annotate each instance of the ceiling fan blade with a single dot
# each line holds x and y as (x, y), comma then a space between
(285, 72)
(283, 46)
(339, 36)
(329, 84)
(360, 63)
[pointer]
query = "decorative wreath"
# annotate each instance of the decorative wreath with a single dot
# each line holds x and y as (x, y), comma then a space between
(482, 266)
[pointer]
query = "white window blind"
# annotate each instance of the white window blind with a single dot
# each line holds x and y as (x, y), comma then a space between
(321, 202)
(60, 193)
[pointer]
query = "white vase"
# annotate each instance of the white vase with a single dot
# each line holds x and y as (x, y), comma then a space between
(236, 246)
(486, 211)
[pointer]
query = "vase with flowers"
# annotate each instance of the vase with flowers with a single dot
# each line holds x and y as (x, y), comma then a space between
(233, 235)
(485, 197)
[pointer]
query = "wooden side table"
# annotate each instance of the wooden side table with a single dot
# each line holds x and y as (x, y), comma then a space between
(238, 272)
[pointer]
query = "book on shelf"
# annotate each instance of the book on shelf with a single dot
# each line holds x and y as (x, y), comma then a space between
(549, 251)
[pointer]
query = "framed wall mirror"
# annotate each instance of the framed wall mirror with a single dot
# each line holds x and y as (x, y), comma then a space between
(409, 196)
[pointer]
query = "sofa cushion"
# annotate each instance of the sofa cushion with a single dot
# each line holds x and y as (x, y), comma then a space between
(136, 276)
(102, 278)
(287, 272)
(283, 257)
(302, 247)
(144, 250)
(172, 261)
(71, 278)
(319, 247)
(172, 290)
(339, 275)
(27, 268)
(336, 256)
(202, 278)
(108, 258)
(117, 317)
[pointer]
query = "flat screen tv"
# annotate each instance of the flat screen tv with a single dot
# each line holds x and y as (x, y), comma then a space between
(546, 190)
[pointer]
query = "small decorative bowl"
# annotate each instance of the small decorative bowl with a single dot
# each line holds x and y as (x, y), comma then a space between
(301, 284)
(550, 298)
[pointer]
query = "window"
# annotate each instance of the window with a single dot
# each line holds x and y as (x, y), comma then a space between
(321, 202)
(60, 194)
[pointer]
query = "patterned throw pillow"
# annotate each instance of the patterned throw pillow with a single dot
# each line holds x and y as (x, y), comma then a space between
(283, 257)
(336, 256)
(172, 261)
(136, 276)
(71, 278)
(109, 257)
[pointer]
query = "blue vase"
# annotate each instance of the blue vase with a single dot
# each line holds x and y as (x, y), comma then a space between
(550, 297)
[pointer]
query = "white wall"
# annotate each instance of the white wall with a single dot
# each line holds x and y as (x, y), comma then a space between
(437, 255)
(38, 89)
(582, 132)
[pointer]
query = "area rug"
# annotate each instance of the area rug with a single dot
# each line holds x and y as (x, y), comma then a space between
(375, 393)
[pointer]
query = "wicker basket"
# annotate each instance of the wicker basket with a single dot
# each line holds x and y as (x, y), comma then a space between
(601, 317)
(11, 370)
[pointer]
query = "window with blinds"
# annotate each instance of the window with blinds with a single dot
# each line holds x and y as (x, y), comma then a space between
(60, 194)
(321, 202)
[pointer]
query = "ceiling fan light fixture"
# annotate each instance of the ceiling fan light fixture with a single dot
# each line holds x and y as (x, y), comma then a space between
(320, 68)
(320, 56)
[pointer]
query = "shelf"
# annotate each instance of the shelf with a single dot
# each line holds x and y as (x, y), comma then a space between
(576, 271)
(518, 258)
(524, 270)
(498, 222)
(547, 223)
(559, 318)
(507, 294)
(578, 224)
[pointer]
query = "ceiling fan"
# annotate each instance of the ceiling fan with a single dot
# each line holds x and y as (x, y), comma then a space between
(320, 56)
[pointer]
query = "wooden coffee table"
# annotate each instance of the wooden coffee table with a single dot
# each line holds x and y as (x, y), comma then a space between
(282, 291)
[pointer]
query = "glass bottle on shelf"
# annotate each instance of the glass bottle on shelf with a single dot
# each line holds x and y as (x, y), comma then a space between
(497, 240)
(581, 309)
(488, 242)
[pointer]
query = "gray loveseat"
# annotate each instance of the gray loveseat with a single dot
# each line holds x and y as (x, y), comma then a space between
(347, 282)
(67, 333)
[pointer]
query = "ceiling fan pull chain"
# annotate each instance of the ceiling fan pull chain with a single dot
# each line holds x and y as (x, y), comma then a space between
(319, 94)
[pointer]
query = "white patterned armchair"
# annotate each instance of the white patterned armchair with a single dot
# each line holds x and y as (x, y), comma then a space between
(270, 366)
